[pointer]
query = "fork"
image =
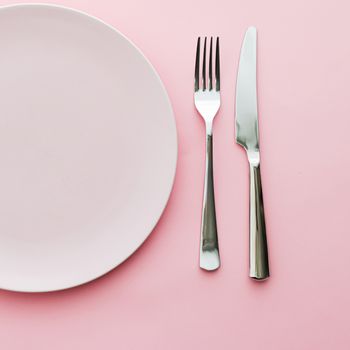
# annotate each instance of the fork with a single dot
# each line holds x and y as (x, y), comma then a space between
(207, 102)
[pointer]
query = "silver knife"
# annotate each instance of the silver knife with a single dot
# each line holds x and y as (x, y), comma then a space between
(247, 135)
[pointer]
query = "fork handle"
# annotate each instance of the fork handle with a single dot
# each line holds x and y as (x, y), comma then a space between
(258, 254)
(209, 258)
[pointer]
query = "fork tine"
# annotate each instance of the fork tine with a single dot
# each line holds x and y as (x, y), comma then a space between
(204, 78)
(217, 65)
(211, 65)
(196, 69)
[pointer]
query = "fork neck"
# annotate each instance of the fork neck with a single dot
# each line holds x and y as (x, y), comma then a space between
(209, 127)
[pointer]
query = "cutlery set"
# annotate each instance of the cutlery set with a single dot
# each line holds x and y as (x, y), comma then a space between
(51, 236)
(207, 102)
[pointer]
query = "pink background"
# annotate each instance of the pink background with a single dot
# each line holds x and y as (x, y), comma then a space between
(159, 299)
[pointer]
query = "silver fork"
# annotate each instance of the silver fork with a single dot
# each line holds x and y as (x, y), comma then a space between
(207, 102)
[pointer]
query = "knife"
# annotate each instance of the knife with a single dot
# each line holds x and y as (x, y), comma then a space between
(247, 135)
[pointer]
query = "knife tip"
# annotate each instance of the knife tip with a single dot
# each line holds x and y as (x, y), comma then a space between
(251, 29)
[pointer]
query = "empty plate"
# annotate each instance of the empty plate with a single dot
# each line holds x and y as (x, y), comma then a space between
(87, 148)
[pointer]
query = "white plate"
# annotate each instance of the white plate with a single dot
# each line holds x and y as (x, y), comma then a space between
(87, 148)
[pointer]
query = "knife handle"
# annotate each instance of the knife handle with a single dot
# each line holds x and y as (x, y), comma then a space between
(258, 253)
(209, 258)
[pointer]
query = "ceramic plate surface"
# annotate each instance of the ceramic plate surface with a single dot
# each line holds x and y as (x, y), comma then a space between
(87, 148)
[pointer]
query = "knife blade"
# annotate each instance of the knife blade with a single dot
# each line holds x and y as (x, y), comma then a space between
(247, 135)
(246, 98)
